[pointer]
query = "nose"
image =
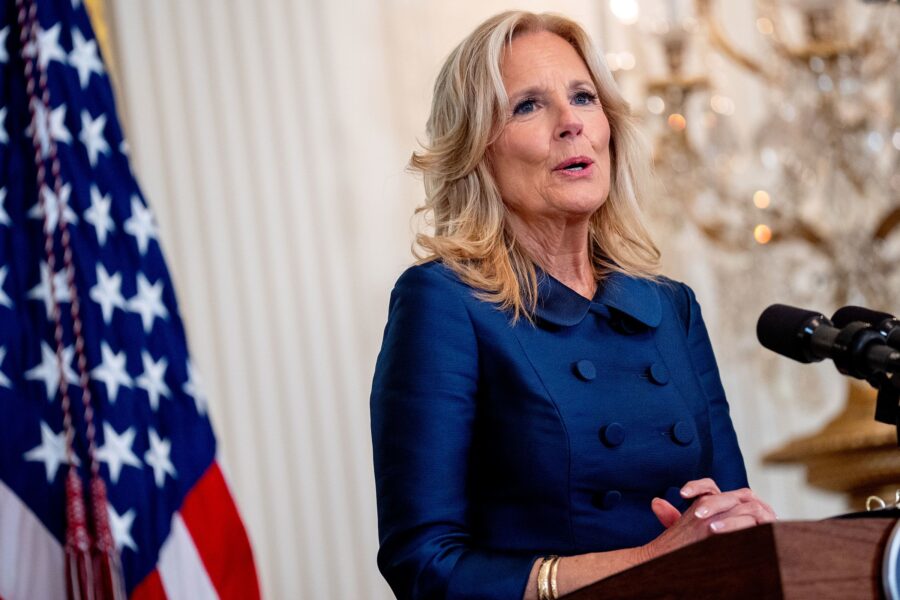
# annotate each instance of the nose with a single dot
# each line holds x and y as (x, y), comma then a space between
(569, 125)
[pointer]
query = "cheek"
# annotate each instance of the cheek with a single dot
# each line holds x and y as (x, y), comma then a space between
(520, 148)
(603, 134)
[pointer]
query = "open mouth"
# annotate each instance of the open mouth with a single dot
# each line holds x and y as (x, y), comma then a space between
(574, 164)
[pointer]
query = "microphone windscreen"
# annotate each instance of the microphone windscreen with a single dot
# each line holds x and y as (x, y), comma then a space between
(780, 329)
(849, 314)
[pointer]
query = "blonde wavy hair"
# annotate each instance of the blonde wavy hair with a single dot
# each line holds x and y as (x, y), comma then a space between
(471, 234)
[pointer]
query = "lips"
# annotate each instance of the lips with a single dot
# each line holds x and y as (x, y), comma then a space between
(574, 164)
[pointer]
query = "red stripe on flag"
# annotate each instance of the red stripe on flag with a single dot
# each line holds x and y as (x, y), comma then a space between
(151, 588)
(212, 518)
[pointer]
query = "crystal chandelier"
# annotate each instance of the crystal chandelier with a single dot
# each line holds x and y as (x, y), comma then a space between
(815, 187)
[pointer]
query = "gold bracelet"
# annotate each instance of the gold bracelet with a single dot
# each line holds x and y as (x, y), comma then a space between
(554, 565)
(543, 578)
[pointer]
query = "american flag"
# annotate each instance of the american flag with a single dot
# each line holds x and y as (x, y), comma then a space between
(172, 518)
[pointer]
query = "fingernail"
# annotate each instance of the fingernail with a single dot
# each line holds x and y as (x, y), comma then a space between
(687, 491)
(701, 512)
(716, 526)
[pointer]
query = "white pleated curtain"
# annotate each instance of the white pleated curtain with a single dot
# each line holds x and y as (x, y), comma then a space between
(271, 139)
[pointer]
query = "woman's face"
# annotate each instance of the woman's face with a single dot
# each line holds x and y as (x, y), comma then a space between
(551, 160)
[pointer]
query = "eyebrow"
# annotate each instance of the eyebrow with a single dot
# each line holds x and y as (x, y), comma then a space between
(537, 90)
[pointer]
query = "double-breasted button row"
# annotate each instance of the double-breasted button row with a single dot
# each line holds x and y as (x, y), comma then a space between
(586, 371)
(609, 499)
(613, 434)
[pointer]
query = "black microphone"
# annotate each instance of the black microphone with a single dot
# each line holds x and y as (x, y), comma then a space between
(806, 336)
(887, 325)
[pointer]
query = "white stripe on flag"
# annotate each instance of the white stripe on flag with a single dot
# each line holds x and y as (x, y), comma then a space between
(32, 561)
(182, 572)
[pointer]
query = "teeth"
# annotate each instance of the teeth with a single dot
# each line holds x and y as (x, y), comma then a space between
(575, 168)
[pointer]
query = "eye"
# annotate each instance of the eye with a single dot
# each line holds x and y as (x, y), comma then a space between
(584, 98)
(525, 106)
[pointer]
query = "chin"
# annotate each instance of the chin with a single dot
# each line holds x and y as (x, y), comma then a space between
(584, 206)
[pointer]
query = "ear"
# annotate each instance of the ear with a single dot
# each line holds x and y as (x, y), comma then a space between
(667, 514)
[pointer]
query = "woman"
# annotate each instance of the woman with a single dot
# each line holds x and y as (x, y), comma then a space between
(540, 393)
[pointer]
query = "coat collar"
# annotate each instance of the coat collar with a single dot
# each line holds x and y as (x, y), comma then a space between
(560, 305)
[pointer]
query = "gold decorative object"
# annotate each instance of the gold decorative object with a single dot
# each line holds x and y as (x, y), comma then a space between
(852, 454)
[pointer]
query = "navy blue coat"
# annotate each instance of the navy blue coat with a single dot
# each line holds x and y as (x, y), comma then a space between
(495, 444)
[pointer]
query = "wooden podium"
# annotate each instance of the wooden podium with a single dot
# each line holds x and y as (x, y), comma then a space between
(822, 560)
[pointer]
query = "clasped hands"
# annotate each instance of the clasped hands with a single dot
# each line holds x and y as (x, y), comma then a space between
(713, 512)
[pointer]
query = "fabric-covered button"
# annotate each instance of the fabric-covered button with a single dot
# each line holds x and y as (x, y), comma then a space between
(658, 374)
(585, 370)
(608, 499)
(612, 435)
(682, 433)
(673, 496)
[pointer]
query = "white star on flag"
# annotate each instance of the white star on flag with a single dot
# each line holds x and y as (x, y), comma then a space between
(121, 528)
(4, 216)
(107, 293)
(4, 380)
(4, 137)
(48, 370)
(98, 215)
(4, 57)
(51, 451)
(112, 372)
(116, 451)
(152, 380)
(52, 204)
(4, 299)
(193, 387)
(157, 458)
(141, 224)
(92, 136)
(52, 125)
(48, 47)
(148, 302)
(42, 290)
(84, 58)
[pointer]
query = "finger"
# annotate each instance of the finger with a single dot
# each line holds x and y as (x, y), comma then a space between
(755, 510)
(667, 514)
(729, 524)
(710, 506)
(747, 495)
(699, 487)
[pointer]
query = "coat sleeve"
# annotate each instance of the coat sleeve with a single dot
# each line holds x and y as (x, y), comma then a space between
(727, 463)
(423, 411)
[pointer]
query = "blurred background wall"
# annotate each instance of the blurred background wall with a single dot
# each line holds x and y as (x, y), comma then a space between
(271, 139)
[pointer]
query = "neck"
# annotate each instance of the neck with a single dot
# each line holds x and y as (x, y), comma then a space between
(561, 249)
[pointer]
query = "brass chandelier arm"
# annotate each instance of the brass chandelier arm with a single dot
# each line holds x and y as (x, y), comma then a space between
(888, 224)
(720, 42)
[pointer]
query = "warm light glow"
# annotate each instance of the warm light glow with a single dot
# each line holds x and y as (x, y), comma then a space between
(677, 122)
(657, 105)
(761, 199)
(764, 25)
(762, 234)
(627, 11)
(627, 61)
(722, 104)
(612, 61)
